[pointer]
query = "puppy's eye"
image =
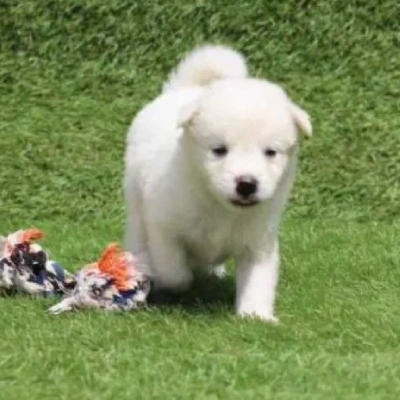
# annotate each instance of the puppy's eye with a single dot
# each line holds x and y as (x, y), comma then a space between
(270, 153)
(220, 151)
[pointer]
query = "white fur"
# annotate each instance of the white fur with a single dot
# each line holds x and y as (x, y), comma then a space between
(204, 65)
(179, 194)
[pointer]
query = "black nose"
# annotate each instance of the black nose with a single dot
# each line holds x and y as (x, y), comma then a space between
(246, 186)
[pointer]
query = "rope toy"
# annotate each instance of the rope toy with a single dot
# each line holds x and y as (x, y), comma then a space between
(25, 266)
(113, 283)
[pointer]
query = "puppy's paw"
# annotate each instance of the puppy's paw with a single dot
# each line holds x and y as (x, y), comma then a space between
(257, 315)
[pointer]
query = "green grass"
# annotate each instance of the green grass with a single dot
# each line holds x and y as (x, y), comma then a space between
(338, 336)
(73, 74)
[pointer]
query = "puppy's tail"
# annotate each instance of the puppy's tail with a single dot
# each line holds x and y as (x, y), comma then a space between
(204, 65)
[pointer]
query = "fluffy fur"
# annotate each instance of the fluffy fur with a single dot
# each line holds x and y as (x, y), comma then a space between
(209, 167)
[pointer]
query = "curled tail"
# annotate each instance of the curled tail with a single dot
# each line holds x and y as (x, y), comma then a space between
(206, 64)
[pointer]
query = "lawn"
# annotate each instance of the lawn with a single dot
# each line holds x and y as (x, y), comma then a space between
(72, 76)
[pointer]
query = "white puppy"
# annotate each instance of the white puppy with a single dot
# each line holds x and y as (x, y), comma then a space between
(209, 167)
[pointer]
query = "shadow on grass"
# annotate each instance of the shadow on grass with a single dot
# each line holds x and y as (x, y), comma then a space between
(206, 295)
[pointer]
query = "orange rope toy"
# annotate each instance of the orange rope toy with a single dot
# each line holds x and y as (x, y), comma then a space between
(113, 282)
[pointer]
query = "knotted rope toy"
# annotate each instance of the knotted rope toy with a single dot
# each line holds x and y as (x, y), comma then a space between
(113, 283)
(25, 266)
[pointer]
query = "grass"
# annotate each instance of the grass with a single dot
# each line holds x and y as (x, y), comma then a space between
(338, 336)
(72, 75)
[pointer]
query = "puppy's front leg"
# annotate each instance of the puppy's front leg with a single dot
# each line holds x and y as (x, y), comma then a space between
(168, 262)
(256, 280)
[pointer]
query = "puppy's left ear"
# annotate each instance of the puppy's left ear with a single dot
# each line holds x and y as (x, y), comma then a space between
(3, 241)
(187, 113)
(301, 119)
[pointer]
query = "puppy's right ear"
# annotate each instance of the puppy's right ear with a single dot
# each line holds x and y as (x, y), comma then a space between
(187, 113)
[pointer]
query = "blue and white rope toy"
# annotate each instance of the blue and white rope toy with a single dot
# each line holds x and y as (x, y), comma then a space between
(25, 266)
(115, 282)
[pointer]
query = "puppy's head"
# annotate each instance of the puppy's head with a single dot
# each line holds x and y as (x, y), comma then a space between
(241, 135)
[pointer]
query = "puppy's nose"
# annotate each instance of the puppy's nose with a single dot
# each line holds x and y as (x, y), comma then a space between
(246, 186)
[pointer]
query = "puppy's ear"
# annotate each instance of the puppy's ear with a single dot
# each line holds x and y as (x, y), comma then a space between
(301, 119)
(187, 113)
(3, 241)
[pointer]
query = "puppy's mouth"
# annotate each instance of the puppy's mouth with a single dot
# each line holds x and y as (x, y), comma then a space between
(244, 202)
